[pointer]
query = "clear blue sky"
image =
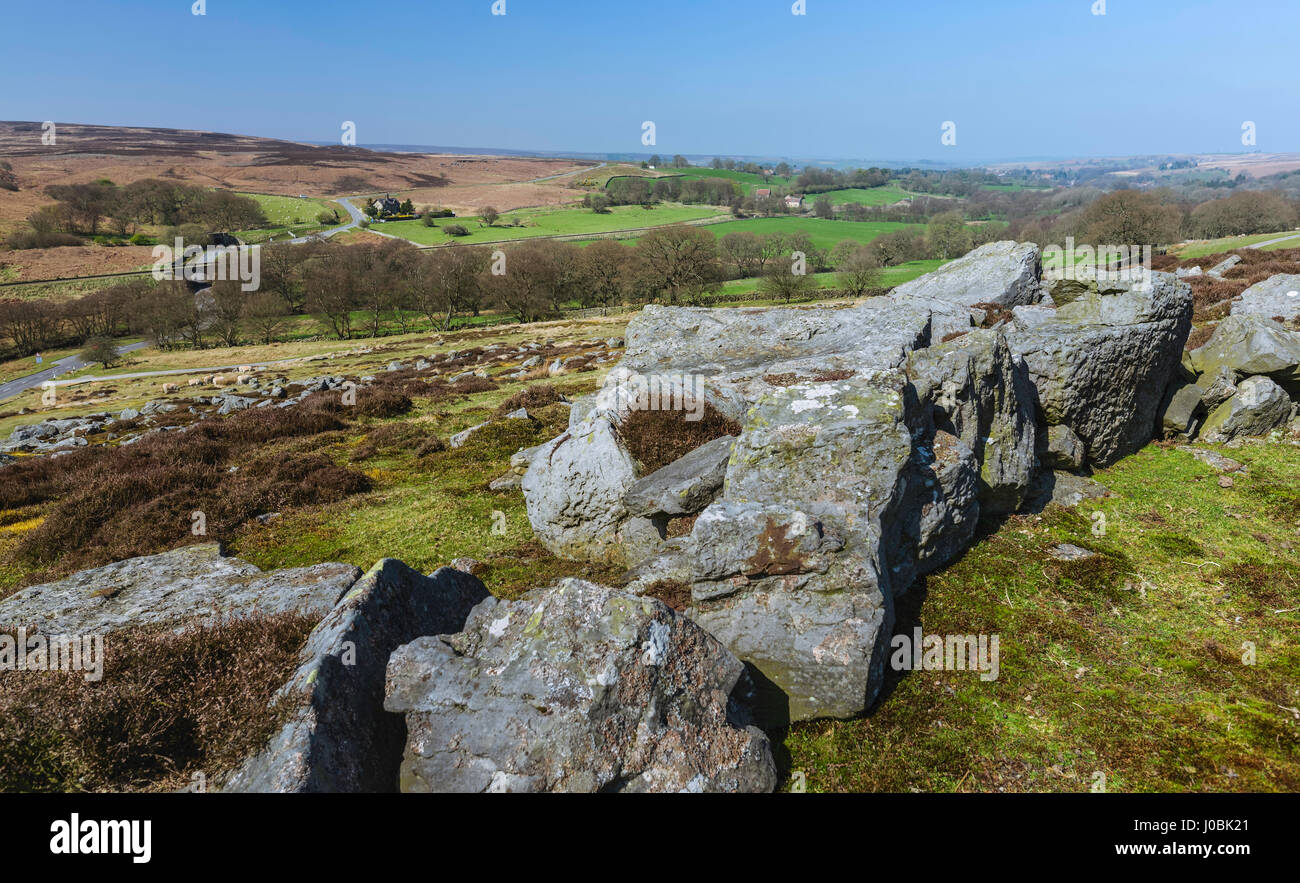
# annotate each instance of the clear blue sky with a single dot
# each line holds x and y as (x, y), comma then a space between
(851, 78)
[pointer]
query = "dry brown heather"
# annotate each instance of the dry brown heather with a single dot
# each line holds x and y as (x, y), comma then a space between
(168, 706)
(657, 438)
(1212, 298)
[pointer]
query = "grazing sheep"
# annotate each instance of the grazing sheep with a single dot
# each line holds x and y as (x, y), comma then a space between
(218, 380)
(170, 388)
(197, 381)
(245, 369)
(244, 378)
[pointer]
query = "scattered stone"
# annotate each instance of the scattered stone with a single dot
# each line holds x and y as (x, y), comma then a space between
(1070, 552)
(1214, 459)
(1064, 449)
(684, 486)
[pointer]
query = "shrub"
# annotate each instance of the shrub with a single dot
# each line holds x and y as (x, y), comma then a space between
(538, 395)
(169, 705)
(455, 230)
(382, 402)
(657, 438)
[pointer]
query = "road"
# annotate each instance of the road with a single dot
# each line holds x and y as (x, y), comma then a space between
(1286, 238)
(352, 210)
(62, 366)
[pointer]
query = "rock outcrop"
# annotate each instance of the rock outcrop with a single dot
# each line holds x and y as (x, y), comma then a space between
(338, 737)
(873, 438)
(1277, 297)
(576, 687)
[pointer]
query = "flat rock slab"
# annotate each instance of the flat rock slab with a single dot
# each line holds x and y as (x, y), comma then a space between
(192, 585)
(1003, 273)
(1215, 460)
(684, 486)
(1276, 297)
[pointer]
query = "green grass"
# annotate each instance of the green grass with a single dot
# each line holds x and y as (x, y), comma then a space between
(747, 180)
(549, 222)
(886, 195)
(1201, 248)
(824, 233)
(289, 211)
(889, 277)
(1129, 666)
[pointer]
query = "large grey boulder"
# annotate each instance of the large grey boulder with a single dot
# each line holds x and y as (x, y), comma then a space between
(1250, 345)
(1259, 407)
(684, 486)
(1276, 297)
(573, 491)
(979, 392)
(1102, 363)
(339, 738)
(1002, 273)
(576, 687)
(1184, 410)
(192, 585)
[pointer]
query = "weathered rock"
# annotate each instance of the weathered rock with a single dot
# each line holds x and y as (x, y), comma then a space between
(1063, 450)
(1249, 345)
(1102, 363)
(1224, 266)
(1064, 489)
(1188, 272)
(684, 486)
(1070, 552)
(1259, 407)
(574, 489)
(458, 440)
(1183, 411)
(1217, 387)
(191, 585)
(1215, 460)
(340, 738)
(576, 688)
(1003, 273)
(1274, 297)
(980, 393)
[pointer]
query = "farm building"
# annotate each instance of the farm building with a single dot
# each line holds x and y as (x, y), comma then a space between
(794, 202)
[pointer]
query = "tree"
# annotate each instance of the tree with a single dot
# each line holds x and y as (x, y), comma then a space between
(602, 266)
(781, 281)
(859, 272)
(782, 169)
(742, 250)
(528, 287)
(948, 236)
(227, 311)
(101, 350)
(822, 208)
(679, 261)
(266, 313)
(489, 215)
(330, 298)
(1130, 217)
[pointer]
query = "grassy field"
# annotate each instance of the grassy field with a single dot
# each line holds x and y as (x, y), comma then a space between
(824, 233)
(889, 277)
(1201, 247)
(747, 180)
(549, 222)
(887, 195)
(1129, 665)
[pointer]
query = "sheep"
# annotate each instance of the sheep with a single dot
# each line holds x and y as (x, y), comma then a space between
(197, 381)
(169, 388)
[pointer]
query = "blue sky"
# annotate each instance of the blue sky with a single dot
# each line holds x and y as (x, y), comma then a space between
(850, 79)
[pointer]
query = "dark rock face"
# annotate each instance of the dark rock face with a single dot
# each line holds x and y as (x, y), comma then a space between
(576, 688)
(339, 738)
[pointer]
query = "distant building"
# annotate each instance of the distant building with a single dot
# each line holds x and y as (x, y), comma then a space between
(763, 193)
(388, 206)
(794, 202)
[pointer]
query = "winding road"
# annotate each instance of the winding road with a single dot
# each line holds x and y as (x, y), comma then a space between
(65, 365)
